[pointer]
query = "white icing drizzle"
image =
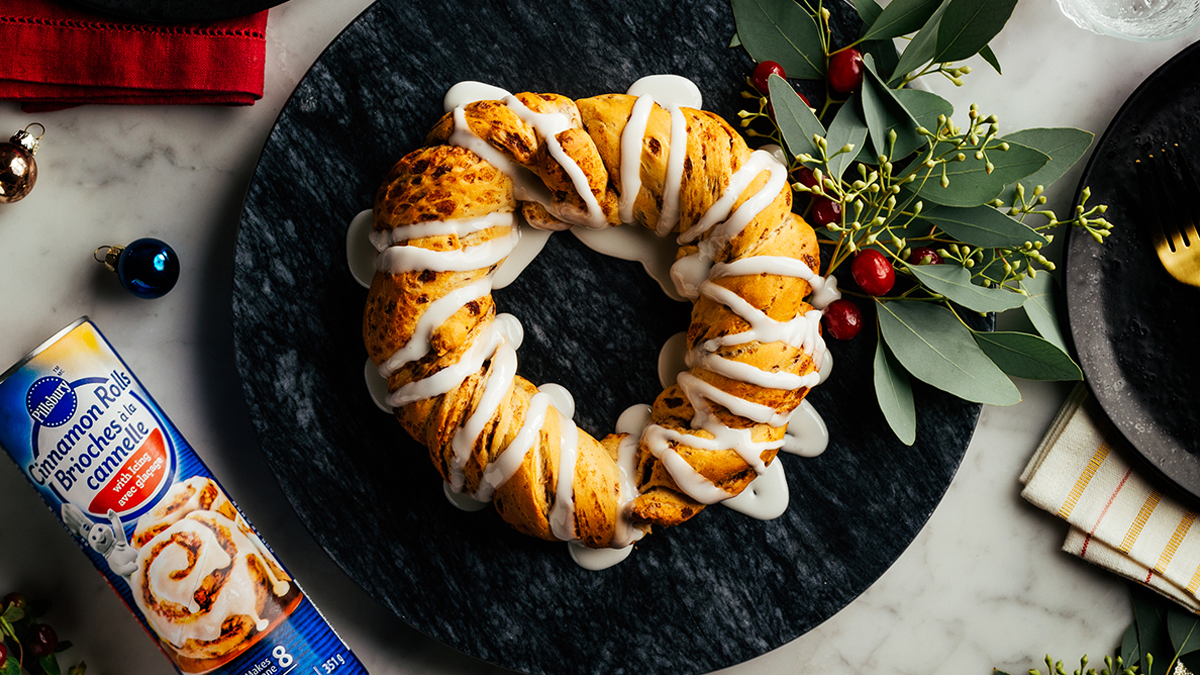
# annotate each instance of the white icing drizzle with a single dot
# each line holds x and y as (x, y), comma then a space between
(765, 498)
(382, 239)
(806, 434)
(438, 312)
(377, 386)
(631, 423)
(631, 155)
(500, 380)
(668, 217)
(360, 254)
(500, 470)
(450, 377)
(401, 259)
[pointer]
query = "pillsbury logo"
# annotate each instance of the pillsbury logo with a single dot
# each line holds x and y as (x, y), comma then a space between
(51, 401)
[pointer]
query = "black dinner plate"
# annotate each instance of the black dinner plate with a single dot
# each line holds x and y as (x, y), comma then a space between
(197, 11)
(714, 592)
(1134, 327)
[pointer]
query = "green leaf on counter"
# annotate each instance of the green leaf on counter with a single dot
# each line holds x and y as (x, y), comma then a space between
(1184, 630)
(970, 182)
(847, 128)
(735, 41)
(900, 17)
(981, 226)
(49, 664)
(936, 348)
(1149, 615)
(895, 396)
(1064, 145)
(990, 56)
(781, 31)
(1129, 650)
(796, 121)
(923, 108)
(968, 25)
(921, 48)
(1028, 357)
(954, 282)
(1042, 307)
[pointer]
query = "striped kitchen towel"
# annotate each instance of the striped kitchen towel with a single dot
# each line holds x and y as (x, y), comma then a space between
(1118, 519)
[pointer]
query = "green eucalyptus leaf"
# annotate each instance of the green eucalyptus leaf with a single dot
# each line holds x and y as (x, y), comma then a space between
(735, 41)
(921, 48)
(1129, 650)
(936, 348)
(889, 115)
(10, 667)
(868, 11)
(1064, 146)
(923, 107)
(990, 56)
(875, 115)
(77, 670)
(783, 32)
(885, 55)
(968, 25)
(847, 128)
(1150, 617)
(1184, 630)
(970, 183)
(954, 282)
(1028, 357)
(1042, 307)
(49, 664)
(796, 121)
(62, 646)
(895, 396)
(981, 226)
(900, 17)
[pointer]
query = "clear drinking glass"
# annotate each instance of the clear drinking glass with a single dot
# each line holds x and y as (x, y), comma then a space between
(1134, 19)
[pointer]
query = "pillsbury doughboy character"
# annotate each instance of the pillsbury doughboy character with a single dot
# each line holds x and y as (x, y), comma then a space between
(107, 540)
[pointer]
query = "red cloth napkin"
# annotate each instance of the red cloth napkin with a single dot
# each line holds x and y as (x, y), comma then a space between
(57, 57)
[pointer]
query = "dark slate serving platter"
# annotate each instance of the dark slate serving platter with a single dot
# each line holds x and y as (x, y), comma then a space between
(715, 592)
(177, 10)
(1135, 327)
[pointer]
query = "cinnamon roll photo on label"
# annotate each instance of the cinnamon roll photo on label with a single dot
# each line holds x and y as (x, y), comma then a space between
(153, 519)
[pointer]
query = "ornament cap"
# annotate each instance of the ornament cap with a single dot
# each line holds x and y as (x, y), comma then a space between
(27, 140)
(110, 256)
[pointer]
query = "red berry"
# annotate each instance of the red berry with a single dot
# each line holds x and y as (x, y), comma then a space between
(826, 211)
(17, 600)
(924, 256)
(872, 272)
(843, 320)
(806, 177)
(3, 653)
(41, 640)
(762, 75)
(846, 70)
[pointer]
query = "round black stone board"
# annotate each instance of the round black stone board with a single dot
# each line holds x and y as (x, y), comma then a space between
(1134, 327)
(714, 592)
(177, 10)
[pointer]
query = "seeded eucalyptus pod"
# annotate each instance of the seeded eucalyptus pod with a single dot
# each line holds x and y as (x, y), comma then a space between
(957, 214)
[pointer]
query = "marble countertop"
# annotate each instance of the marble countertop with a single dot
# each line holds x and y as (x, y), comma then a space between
(984, 585)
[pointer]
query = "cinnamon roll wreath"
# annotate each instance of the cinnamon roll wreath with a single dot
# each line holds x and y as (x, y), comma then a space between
(445, 219)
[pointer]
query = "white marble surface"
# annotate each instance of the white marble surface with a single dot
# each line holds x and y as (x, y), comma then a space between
(984, 585)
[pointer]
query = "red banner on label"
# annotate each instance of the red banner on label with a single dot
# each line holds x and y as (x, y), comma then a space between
(137, 480)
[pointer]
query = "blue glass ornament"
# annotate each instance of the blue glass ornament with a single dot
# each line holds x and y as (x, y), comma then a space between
(147, 267)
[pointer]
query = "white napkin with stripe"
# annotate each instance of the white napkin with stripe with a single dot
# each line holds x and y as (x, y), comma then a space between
(1118, 519)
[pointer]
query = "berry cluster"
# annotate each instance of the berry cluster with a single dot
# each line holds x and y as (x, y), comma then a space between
(31, 644)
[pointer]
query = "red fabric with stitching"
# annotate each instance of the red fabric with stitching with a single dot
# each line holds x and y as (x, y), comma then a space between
(55, 57)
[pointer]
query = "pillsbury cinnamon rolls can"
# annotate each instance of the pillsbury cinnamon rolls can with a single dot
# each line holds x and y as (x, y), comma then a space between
(153, 519)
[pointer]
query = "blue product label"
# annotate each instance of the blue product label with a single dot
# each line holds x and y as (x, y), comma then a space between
(154, 520)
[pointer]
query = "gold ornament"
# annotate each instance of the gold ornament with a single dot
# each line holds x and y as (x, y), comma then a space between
(18, 169)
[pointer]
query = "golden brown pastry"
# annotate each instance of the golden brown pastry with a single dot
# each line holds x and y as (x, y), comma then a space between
(443, 224)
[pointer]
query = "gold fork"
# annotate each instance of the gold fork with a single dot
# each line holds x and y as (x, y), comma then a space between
(1175, 201)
